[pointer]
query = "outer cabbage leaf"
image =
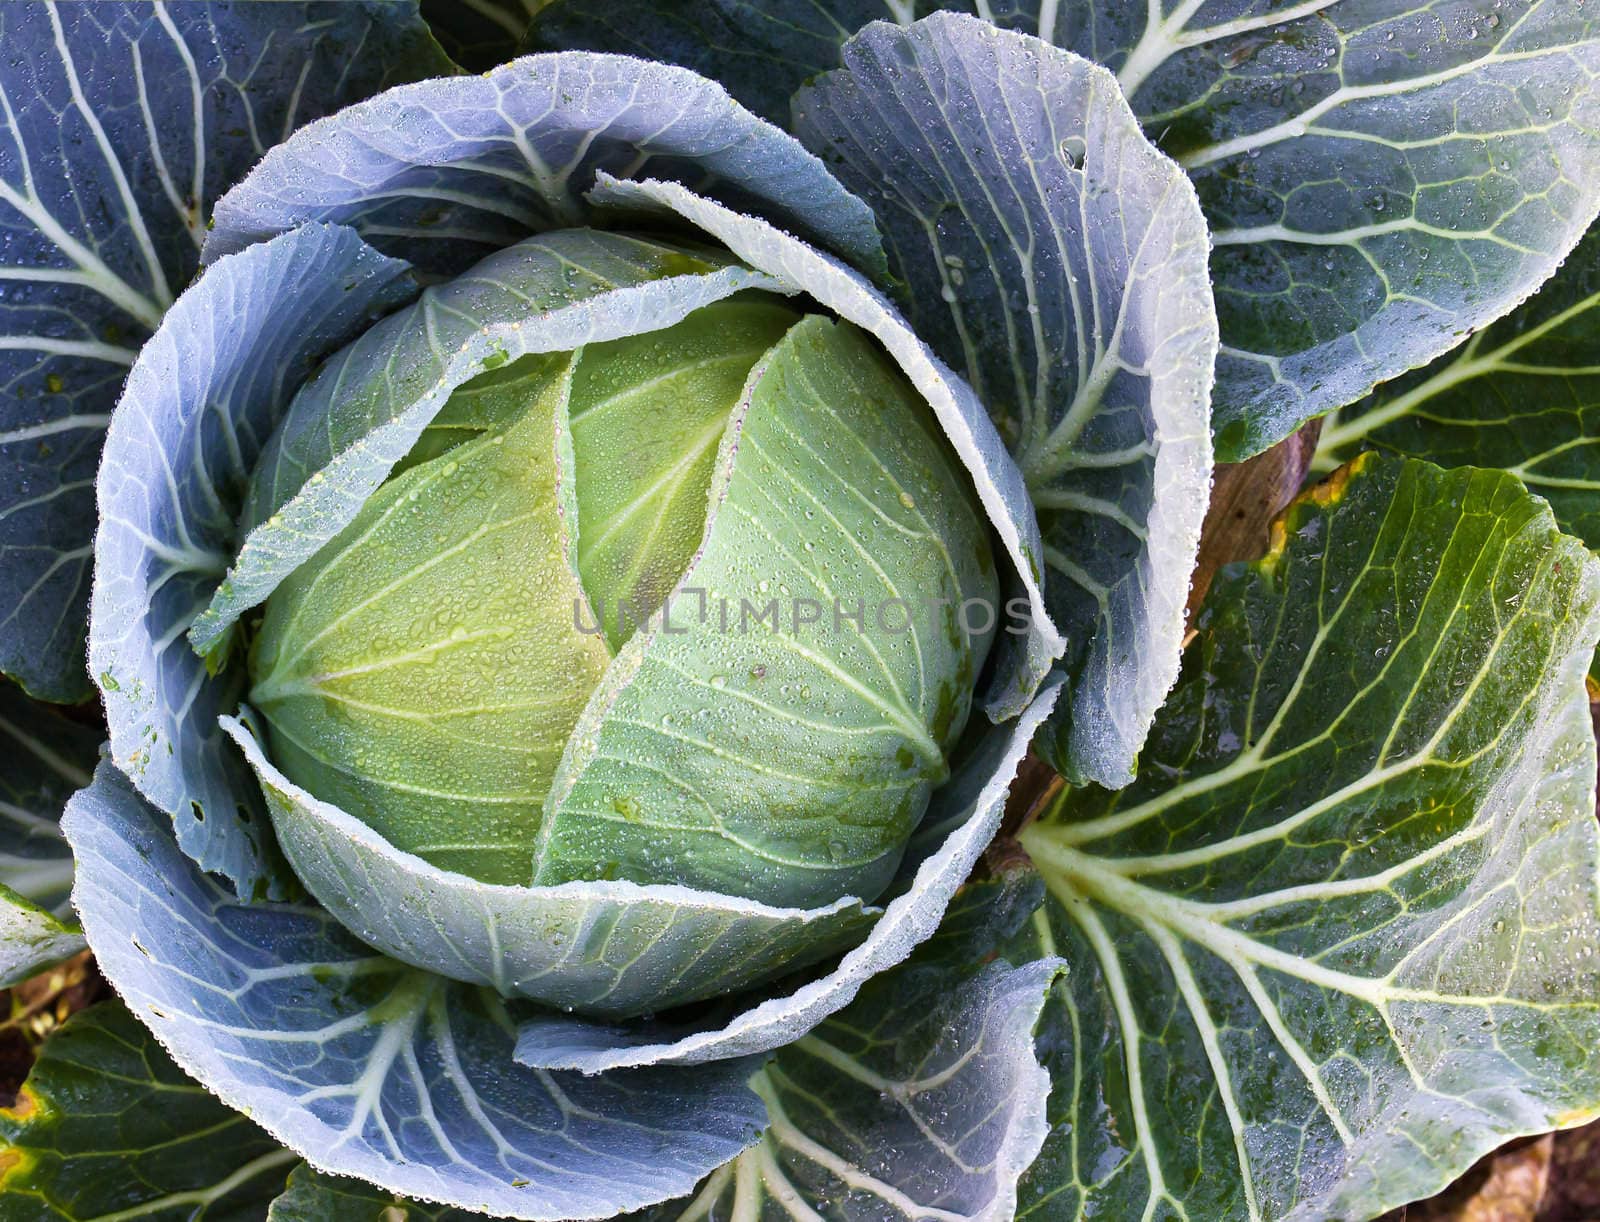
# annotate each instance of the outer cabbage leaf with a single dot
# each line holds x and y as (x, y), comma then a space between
(924, 1099)
(602, 947)
(1462, 137)
(119, 124)
(314, 1197)
(1337, 942)
(1523, 394)
(445, 171)
(367, 1067)
(1051, 255)
(801, 268)
(204, 397)
(106, 1126)
(48, 756)
(960, 823)
(1464, 144)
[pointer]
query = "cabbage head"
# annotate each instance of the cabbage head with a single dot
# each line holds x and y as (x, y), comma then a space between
(461, 667)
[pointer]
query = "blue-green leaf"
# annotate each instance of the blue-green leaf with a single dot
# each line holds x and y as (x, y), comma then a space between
(107, 1127)
(119, 124)
(443, 172)
(367, 1067)
(925, 1099)
(206, 394)
(1052, 256)
(1338, 940)
(48, 756)
(1379, 179)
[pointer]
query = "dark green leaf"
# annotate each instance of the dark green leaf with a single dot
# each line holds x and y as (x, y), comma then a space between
(313, 1196)
(1523, 394)
(1338, 940)
(478, 34)
(108, 1127)
(761, 50)
(47, 757)
(1380, 179)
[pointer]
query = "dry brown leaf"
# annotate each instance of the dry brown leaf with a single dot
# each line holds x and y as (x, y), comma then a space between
(1506, 1186)
(1245, 497)
(1573, 1193)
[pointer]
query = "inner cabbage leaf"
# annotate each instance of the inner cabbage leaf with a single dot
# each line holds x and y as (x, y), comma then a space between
(424, 669)
(648, 414)
(768, 745)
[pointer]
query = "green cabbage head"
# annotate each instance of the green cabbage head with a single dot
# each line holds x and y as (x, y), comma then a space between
(643, 610)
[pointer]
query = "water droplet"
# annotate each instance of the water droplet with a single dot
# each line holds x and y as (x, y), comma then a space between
(1236, 56)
